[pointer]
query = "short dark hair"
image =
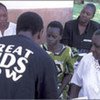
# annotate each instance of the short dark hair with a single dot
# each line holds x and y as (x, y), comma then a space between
(2, 5)
(29, 21)
(56, 24)
(92, 6)
(97, 32)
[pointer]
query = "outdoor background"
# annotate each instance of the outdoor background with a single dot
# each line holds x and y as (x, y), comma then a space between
(78, 7)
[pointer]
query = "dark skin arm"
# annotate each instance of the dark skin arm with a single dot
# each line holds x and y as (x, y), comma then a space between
(65, 82)
(74, 91)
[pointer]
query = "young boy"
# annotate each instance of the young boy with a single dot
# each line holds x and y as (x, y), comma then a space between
(61, 54)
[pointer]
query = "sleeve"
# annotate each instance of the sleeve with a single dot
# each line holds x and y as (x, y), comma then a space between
(70, 62)
(66, 34)
(78, 74)
(47, 87)
(51, 81)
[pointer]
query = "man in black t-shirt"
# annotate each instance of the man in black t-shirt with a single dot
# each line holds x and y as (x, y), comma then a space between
(26, 71)
(78, 32)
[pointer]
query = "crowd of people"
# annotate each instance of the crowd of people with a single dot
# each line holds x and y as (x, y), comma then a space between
(57, 69)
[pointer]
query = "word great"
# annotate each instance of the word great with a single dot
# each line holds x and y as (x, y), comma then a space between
(9, 61)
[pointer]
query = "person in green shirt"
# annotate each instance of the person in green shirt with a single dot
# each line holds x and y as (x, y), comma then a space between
(61, 54)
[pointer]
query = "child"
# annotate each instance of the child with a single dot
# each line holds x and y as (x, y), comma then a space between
(61, 54)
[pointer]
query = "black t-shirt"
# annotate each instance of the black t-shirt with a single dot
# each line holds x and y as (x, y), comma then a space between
(26, 71)
(73, 38)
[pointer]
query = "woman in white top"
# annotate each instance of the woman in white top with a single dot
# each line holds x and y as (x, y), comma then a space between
(6, 28)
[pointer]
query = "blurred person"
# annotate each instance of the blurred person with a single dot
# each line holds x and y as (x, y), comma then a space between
(86, 80)
(61, 54)
(26, 70)
(78, 32)
(6, 28)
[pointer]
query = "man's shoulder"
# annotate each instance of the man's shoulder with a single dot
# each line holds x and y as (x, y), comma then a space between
(94, 23)
(71, 21)
(12, 24)
(88, 57)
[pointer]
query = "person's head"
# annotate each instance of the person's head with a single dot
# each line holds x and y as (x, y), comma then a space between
(54, 32)
(30, 22)
(3, 15)
(87, 12)
(96, 44)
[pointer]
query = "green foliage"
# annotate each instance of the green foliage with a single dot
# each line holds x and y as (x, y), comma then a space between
(78, 7)
(96, 1)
